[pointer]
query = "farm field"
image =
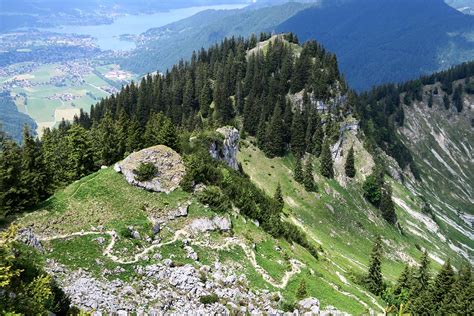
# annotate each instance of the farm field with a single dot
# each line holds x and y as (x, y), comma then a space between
(49, 93)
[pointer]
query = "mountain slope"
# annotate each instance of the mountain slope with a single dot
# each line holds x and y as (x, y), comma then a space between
(161, 48)
(380, 41)
(12, 121)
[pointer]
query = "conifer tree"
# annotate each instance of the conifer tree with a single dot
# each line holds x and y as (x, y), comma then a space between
(374, 279)
(205, 99)
(278, 196)
(422, 275)
(460, 300)
(387, 207)
(308, 180)
(317, 140)
(442, 285)
(430, 101)
(301, 292)
(80, 160)
(298, 130)
(167, 135)
(10, 185)
(298, 172)
(447, 102)
(327, 169)
(349, 166)
(275, 145)
(134, 138)
(32, 176)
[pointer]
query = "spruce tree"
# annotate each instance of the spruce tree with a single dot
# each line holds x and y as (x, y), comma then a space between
(374, 279)
(349, 166)
(275, 145)
(405, 281)
(11, 188)
(278, 196)
(80, 160)
(301, 292)
(327, 169)
(298, 130)
(32, 176)
(298, 172)
(430, 101)
(443, 284)
(167, 134)
(308, 180)
(387, 207)
(423, 274)
(460, 300)
(317, 139)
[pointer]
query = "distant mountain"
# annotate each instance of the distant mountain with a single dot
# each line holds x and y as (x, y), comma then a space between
(11, 120)
(162, 47)
(465, 6)
(379, 41)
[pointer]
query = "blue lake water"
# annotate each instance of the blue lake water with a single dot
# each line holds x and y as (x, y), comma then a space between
(107, 35)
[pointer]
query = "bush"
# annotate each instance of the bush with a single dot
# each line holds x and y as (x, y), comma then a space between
(145, 172)
(216, 200)
(209, 299)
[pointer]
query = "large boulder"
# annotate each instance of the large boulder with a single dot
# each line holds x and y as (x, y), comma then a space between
(227, 151)
(169, 165)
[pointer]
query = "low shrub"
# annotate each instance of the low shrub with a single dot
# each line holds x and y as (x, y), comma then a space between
(209, 299)
(145, 172)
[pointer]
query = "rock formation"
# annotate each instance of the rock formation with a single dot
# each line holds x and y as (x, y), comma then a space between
(169, 165)
(227, 151)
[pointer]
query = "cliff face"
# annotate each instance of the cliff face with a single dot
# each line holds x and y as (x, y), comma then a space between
(227, 151)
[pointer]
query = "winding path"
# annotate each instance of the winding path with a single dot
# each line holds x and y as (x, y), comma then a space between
(230, 242)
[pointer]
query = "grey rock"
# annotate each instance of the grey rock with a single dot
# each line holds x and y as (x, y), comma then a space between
(28, 237)
(310, 305)
(227, 151)
(201, 225)
(100, 240)
(169, 165)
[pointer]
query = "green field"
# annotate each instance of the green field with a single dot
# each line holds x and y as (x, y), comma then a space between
(42, 96)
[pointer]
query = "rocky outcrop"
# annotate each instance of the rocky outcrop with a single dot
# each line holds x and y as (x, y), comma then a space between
(169, 165)
(28, 237)
(201, 225)
(164, 289)
(227, 151)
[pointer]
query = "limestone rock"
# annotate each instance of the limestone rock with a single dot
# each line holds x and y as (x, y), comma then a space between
(28, 237)
(230, 147)
(309, 305)
(169, 165)
(202, 225)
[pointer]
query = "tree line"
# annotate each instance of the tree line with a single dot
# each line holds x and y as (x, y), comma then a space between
(417, 291)
(218, 86)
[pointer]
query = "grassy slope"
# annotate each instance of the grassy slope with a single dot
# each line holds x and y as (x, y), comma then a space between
(441, 142)
(337, 218)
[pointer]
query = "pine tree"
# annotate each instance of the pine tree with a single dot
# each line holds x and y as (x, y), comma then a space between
(134, 138)
(308, 180)
(301, 292)
(387, 207)
(327, 169)
(278, 196)
(298, 130)
(32, 176)
(423, 274)
(11, 189)
(460, 300)
(317, 139)
(374, 279)
(167, 134)
(80, 160)
(405, 281)
(442, 285)
(298, 172)
(447, 102)
(205, 99)
(275, 145)
(349, 166)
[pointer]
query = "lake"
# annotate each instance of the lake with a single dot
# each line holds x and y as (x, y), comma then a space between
(107, 35)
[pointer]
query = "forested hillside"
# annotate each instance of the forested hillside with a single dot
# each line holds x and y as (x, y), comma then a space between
(161, 48)
(12, 121)
(318, 206)
(382, 41)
